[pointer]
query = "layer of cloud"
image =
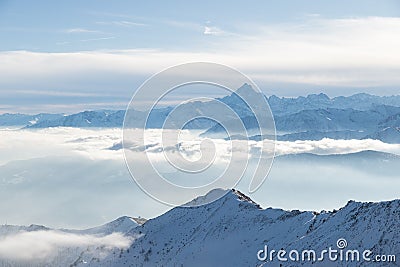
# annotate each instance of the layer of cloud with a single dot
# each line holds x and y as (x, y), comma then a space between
(58, 176)
(328, 146)
(95, 144)
(39, 245)
(22, 144)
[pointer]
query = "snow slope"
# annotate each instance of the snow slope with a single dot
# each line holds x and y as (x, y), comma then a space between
(230, 232)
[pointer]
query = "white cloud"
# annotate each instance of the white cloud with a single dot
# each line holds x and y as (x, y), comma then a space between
(321, 53)
(97, 39)
(81, 30)
(94, 144)
(358, 52)
(211, 30)
(330, 146)
(123, 23)
(86, 40)
(53, 93)
(22, 144)
(196, 27)
(63, 108)
(45, 169)
(38, 245)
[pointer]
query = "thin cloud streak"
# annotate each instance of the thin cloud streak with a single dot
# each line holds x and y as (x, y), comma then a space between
(55, 93)
(123, 23)
(81, 30)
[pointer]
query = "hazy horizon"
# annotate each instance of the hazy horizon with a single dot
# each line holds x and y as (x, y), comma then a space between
(172, 102)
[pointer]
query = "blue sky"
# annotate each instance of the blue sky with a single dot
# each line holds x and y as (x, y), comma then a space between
(73, 55)
(65, 26)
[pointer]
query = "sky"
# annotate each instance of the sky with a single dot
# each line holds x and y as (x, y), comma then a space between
(69, 56)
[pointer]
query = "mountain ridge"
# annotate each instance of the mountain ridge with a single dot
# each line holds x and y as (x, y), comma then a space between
(314, 117)
(360, 101)
(234, 228)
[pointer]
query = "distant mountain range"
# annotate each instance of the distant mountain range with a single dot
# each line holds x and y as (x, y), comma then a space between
(361, 101)
(380, 122)
(8, 119)
(313, 117)
(230, 232)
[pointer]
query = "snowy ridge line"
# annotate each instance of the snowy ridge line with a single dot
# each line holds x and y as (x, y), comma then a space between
(232, 230)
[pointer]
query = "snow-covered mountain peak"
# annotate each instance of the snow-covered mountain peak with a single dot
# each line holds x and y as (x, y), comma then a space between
(222, 196)
(207, 198)
(36, 227)
(123, 225)
(232, 229)
(246, 89)
(242, 197)
(318, 97)
(230, 232)
(248, 93)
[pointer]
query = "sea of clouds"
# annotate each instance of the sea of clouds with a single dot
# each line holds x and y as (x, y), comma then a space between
(77, 178)
(97, 144)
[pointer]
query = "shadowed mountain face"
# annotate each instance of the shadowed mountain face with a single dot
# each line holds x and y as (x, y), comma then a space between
(231, 230)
